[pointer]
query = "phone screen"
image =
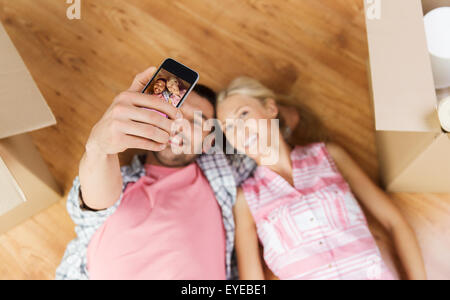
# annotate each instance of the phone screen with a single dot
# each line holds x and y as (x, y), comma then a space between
(168, 87)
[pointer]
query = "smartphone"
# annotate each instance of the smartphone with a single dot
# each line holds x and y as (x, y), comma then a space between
(172, 82)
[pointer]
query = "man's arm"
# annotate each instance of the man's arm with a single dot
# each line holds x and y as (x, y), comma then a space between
(74, 263)
(126, 124)
(101, 179)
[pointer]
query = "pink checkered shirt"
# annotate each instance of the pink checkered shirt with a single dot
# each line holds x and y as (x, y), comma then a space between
(315, 230)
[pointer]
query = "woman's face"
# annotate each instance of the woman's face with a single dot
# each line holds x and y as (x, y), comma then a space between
(172, 86)
(240, 116)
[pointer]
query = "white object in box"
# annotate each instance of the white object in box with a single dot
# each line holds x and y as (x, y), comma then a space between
(437, 28)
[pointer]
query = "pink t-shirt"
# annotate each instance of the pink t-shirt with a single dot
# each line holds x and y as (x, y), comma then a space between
(168, 226)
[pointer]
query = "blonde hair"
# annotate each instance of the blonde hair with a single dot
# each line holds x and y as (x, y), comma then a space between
(309, 129)
(173, 79)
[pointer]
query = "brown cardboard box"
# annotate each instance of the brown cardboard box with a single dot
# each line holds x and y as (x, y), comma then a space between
(26, 185)
(413, 150)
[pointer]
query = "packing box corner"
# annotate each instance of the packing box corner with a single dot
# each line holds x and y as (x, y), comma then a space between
(26, 185)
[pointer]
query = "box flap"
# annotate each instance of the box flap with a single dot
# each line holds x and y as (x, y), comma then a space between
(429, 172)
(31, 178)
(402, 80)
(23, 108)
(398, 149)
(12, 196)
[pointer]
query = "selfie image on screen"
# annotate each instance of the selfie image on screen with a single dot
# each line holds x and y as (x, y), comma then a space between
(168, 87)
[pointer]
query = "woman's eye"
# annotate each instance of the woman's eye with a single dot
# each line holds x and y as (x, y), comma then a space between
(243, 114)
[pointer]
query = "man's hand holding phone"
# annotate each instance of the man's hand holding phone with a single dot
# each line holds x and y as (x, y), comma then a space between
(132, 122)
(139, 118)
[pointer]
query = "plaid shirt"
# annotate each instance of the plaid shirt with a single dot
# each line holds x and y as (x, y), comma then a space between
(224, 173)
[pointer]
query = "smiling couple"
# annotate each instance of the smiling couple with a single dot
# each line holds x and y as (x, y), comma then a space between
(218, 216)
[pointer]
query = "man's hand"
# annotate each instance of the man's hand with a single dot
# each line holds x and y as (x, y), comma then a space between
(129, 122)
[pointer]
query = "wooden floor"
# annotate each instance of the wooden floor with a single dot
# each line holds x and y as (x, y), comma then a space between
(316, 50)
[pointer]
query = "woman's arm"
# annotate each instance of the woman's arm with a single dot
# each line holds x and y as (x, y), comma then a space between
(380, 206)
(247, 248)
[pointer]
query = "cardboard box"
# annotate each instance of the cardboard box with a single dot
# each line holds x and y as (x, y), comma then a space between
(26, 186)
(414, 152)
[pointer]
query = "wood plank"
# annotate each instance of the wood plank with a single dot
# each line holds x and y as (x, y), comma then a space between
(315, 50)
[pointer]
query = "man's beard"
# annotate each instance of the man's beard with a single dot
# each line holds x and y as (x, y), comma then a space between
(169, 159)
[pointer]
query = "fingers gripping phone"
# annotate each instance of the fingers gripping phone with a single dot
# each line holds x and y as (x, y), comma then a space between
(172, 83)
